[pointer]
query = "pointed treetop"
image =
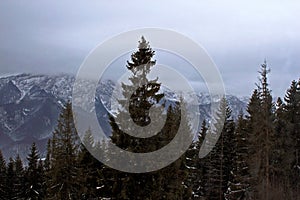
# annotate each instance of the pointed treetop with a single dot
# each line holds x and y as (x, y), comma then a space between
(143, 44)
(2, 163)
(279, 101)
(264, 68)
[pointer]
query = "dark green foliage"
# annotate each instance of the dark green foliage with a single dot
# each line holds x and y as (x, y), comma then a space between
(281, 155)
(88, 169)
(19, 178)
(64, 148)
(239, 185)
(261, 116)
(34, 183)
(196, 167)
(162, 184)
(292, 112)
(47, 164)
(291, 118)
(15, 179)
(221, 157)
(10, 180)
(3, 177)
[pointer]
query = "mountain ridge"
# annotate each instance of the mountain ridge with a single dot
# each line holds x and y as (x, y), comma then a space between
(27, 99)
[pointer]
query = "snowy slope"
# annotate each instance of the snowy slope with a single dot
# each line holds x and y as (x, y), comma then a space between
(30, 105)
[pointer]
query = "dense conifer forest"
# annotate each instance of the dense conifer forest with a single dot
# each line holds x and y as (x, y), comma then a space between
(256, 156)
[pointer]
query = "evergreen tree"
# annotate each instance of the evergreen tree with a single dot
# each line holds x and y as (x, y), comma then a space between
(47, 164)
(34, 175)
(292, 120)
(18, 179)
(47, 183)
(218, 172)
(15, 179)
(217, 165)
(144, 96)
(239, 186)
(261, 118)
(196, 166)
(3, 176)
(283, 149)
(42, 179)
(162, 184)
(88, 168)
(253, 128)
(64, 148)
(10, 181)
(208, 171)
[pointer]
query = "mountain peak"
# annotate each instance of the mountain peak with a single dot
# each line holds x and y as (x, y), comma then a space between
(30, 106)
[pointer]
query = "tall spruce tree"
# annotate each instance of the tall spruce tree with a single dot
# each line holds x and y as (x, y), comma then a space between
(162, 184)
(261, 118)
(64, 148)
(196, 166)
(254, 128)
(281, 158)
(239, 186)
(292, 120)
(47, 170)
(15, 179)
(10, 180)
(221, 157)
(19, 178)
(88, 168)
(3, 176)
(42, 179)
(34, 175)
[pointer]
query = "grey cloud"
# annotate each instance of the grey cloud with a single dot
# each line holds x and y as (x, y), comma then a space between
(55, 36)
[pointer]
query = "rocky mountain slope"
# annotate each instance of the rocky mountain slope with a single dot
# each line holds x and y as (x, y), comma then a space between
(30, 105)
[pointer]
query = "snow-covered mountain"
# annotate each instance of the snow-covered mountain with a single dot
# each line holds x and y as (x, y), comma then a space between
(30, 105)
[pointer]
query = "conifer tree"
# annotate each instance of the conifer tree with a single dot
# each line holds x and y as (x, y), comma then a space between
(253, 129)
(18, 178)
(239, 186)
(3, 176)
(162, 184)
(261, 118)
(221, 160)
(196, 167)
(64, 148)
(14, 180)
(10, 180)
(47, 170)
(208, 180)
(281, 155)
(88, 168)
(42, 179)
(34, 175)
(47, 163)
(292, 120)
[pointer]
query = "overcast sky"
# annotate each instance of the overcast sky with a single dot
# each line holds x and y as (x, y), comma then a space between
(55, 36)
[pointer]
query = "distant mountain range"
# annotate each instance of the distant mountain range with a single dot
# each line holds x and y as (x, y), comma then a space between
(30, 106)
